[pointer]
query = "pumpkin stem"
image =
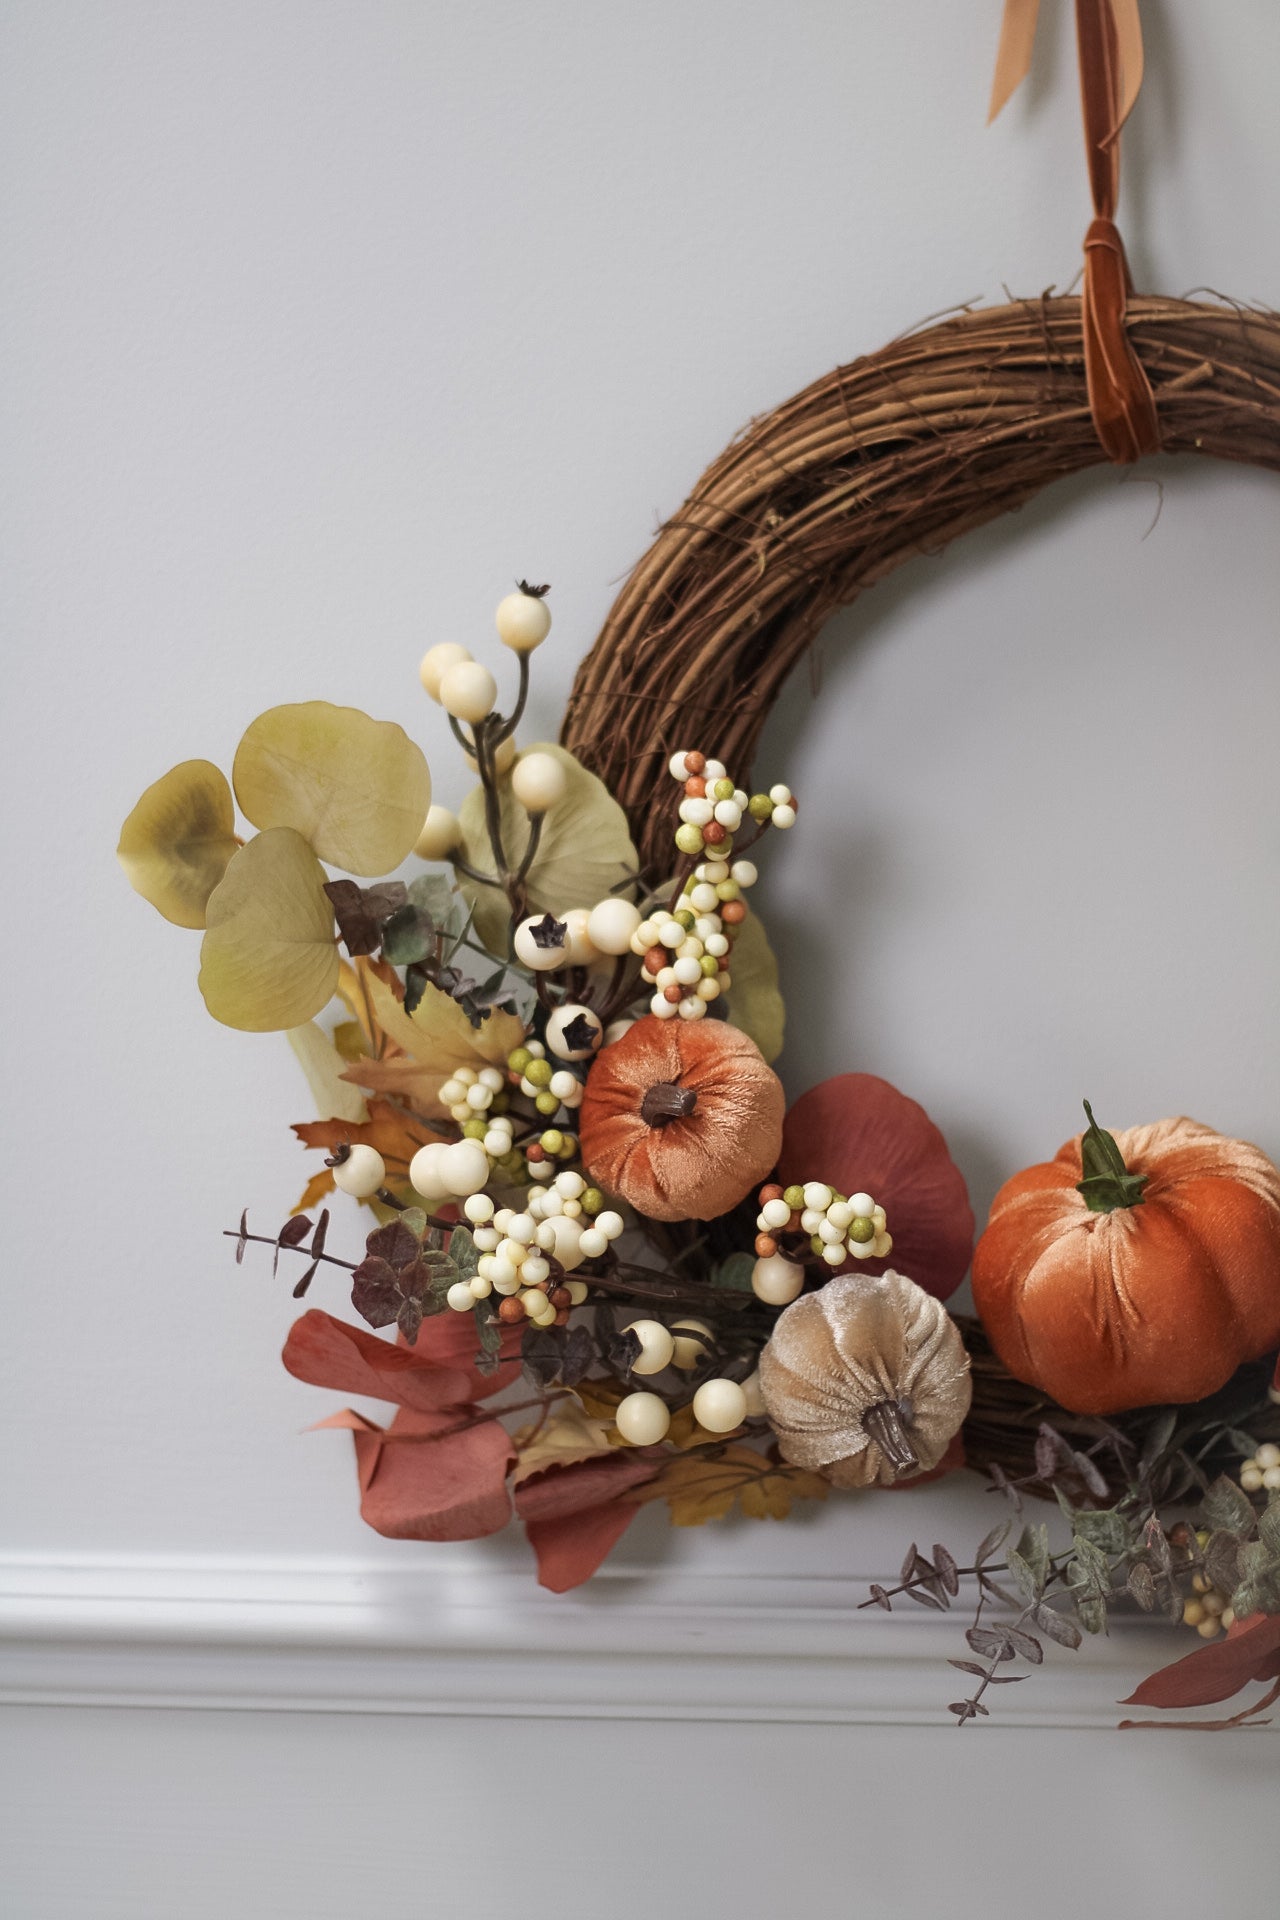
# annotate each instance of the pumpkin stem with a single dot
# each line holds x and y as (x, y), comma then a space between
(665, 1102)
(1107, 1182)
(886, 1423)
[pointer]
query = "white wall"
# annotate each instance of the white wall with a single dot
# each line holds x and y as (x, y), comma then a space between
(321, 322)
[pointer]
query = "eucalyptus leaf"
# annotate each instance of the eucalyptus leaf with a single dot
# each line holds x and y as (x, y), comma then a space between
(584, 849)
(268, 959)
(754, 1002)
(356, 789)
(179, 840)
(1226, 1505)
(1105, 1528)
(1269, 1525)
(735, 1273)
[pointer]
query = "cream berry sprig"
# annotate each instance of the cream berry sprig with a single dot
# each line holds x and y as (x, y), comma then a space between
(468, 692)
(838, 1227)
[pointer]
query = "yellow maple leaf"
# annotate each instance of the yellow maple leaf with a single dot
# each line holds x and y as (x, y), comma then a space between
(702, 1487)
(436, 1039)
(568, 1436)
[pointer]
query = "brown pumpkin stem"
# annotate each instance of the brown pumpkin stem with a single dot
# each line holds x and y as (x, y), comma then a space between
(665, 1102)
(886, 1423)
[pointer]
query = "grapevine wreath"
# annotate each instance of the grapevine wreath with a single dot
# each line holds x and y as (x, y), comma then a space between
(606, 1265)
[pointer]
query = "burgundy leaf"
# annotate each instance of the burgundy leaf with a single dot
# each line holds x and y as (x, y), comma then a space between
(360, 911)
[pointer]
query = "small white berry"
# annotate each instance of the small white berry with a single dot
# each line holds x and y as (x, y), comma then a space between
(593, 1243)
(361, 1173)
(642, 1419)
(425, 1173)
(774, 1213)
(574, 1032)
(783, 817)
(538, 781)
(661, 1008)
(688, 1349)
(611, 925)
(523, 621)
(656, 1345)
(468, 691)
(719, 1405)
(464, 1167)
(780, 795)
(610, 1224)
(436, 662)
(478, 1208)
(541, 944)
(744, 872)
(777, 1280)
(817, 1195)
(487, 1239)
(863, 1205)
(677, 768)
(460, 1297)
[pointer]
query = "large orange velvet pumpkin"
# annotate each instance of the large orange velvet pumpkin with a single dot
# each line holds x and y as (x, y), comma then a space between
(1135, 1269)
(681, 1118)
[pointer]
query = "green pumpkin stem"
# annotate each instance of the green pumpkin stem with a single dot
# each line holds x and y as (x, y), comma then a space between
(1107, 1182)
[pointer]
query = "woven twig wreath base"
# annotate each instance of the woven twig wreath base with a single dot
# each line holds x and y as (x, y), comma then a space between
(892, 456)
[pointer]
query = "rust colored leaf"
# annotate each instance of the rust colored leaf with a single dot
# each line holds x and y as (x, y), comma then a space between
(1249, 1651)
(327, 1352)
(416, 1486)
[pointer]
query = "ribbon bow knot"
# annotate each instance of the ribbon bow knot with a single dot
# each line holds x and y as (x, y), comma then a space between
(1109, 40)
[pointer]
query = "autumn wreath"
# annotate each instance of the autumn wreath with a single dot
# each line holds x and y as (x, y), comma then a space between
(607, 1267)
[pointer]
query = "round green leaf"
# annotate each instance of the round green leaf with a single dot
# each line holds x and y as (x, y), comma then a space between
(269, 959)
(176, 843)
(584, 851)
(754, 1002)
(357, 789)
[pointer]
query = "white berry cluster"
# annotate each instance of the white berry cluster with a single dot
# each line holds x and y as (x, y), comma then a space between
(1260, 1473)
(685, 951)
(840, 1227)
(685, 954)
(517, 1250)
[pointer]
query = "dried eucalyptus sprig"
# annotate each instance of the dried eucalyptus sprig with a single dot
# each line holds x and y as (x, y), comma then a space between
(1136, 1552)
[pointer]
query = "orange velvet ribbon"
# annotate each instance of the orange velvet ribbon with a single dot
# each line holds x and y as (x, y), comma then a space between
(1109, 39)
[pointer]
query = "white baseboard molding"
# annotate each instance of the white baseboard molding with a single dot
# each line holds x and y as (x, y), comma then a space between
(358, 1637)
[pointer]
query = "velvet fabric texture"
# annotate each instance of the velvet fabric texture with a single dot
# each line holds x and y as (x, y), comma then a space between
(1151, 1303)
(858, 1342)
(694, 1167)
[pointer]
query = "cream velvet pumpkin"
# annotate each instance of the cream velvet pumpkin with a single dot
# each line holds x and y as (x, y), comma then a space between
(866, 1381)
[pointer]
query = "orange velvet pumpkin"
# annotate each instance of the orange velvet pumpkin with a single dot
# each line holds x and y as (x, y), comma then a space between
(681, 1118)
(1135, 1269)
